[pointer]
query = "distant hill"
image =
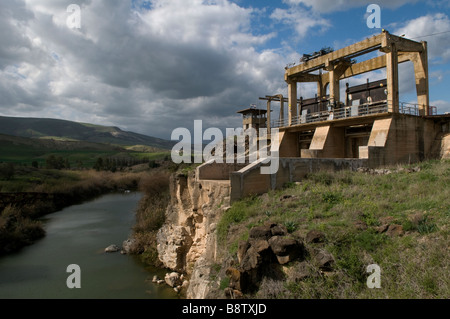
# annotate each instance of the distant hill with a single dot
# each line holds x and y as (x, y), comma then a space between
(43, 128)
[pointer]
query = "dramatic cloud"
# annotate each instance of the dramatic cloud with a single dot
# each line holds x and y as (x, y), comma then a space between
(152, 66)
(148, 69)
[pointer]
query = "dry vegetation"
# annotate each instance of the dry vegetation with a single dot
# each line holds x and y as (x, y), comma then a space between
(349, 208)
(18, 225)
(150, 215)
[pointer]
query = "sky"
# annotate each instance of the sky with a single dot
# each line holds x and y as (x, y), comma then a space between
(153, 66)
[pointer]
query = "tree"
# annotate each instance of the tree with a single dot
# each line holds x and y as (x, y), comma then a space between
(35, 164)
(98, 166)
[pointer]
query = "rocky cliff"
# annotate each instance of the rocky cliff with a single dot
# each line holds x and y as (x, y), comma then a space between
(187, 241)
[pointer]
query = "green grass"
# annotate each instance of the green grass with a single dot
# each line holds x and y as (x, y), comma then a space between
(414, 265)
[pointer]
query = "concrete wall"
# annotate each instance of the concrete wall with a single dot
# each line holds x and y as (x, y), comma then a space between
(217, 171)
(402, 139)
(249, 181)
(289, 146)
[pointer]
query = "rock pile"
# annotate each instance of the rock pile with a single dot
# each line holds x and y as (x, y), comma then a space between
(174, 280)
(266, 254)
(268, 246)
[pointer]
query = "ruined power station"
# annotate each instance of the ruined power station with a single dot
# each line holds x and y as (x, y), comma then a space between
(369, 127)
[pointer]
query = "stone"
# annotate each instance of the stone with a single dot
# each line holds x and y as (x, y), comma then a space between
(259, 245)
(173, 243)
(242, 250)
(395, 230)
(128, 245)
(251, 260)
(283, 259)
(155, 279)
(278, 230)
(282, 245)
(159, 282)
(315, 236)
(112, 249)
(172, 279)
(260, 232)
(324, 260)
(185, 284)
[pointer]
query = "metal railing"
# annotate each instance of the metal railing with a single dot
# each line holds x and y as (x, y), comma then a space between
(351, 111)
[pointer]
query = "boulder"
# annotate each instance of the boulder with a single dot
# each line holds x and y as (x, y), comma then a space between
(173, 279)
(282, 246)
(278, 230)
(315, 236)
(128, 245)
(263, 232)
(251, 260)
(286, 249)
(324, 260)
(112, 249)
(242, 250)
(155, 279)
(259, 245)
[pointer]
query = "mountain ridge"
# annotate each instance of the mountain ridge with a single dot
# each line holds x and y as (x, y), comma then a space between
(48, 128)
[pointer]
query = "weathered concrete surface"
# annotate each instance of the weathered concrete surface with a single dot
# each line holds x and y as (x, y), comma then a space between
(217, 171)
(249, 181)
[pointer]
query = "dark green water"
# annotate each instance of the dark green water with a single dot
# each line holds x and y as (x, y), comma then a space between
(78, 235)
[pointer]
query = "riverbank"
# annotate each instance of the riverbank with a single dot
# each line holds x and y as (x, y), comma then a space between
(78, 235)
(37, 192)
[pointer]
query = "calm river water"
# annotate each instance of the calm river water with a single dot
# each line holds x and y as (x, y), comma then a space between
(78, 235)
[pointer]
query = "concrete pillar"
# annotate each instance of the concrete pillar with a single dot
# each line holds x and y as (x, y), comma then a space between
(334, 86)
(280, 96)
(420, 61)
(392, 79)
(292, 97)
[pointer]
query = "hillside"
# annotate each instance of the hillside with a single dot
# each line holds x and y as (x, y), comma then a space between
(73, 131)
(396, 218)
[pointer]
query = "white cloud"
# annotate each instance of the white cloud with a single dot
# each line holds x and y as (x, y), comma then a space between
(302, 21)
(147, 70)
(430, 28)
(442, 106)
(326, 6)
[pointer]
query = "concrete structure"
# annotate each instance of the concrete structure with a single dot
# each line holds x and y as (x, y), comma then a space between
(370, 128)
(253, 118)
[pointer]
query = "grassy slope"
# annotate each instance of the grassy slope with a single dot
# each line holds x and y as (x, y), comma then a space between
(414, 265)
(25, 150)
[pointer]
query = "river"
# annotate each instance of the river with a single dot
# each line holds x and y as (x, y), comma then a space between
(78, 235)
